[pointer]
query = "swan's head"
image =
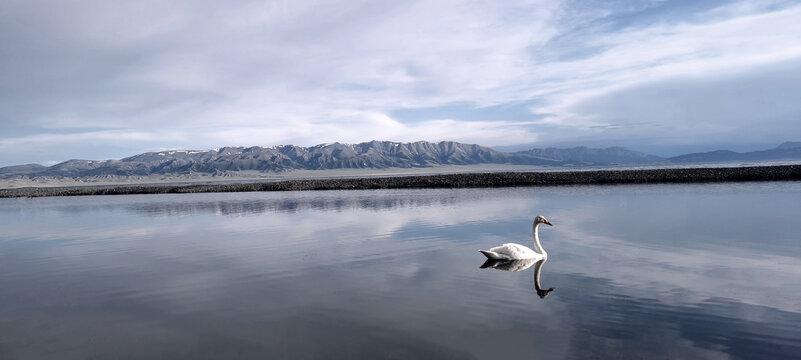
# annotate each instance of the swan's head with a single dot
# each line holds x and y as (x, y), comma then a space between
(541, 219)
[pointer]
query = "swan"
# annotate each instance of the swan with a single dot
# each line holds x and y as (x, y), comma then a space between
(513, 251)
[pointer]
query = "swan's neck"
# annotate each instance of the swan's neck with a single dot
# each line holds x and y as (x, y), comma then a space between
(537, 246)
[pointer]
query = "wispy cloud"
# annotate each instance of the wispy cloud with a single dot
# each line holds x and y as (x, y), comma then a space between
(726, 47)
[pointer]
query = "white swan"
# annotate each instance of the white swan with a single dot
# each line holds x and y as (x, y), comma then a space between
(512, 251)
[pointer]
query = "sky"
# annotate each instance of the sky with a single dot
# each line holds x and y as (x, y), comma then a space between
(97, 79)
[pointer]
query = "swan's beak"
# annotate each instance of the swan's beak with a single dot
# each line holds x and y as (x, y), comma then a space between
(548, 222)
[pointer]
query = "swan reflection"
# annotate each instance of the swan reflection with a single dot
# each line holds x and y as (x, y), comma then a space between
(518, 265)
(508, 265)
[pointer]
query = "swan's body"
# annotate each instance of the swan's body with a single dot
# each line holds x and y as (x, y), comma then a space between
(513, 251)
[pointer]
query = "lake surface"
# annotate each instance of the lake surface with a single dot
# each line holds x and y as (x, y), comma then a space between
(706, 271)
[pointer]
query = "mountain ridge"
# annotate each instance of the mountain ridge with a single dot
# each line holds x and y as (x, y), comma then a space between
(369, 155)
(373, 154)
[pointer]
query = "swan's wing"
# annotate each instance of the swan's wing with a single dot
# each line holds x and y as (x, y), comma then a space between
(514, 251)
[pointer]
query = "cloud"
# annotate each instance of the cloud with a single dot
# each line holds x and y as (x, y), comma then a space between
(201, 75)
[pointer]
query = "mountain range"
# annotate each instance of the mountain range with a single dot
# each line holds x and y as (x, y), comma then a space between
(374, 154)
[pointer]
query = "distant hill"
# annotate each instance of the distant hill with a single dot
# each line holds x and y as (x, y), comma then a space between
(789, 145)
(588, 156)
(22, 169)
(785, 151)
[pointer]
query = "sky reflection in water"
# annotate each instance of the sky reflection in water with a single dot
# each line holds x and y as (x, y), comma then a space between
(676, 271)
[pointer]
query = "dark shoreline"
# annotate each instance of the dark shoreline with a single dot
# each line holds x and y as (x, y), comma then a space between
(470, 180)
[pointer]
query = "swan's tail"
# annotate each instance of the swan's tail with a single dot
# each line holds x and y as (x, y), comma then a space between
(491, 255)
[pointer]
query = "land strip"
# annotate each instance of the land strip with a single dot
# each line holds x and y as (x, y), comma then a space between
(469, 180)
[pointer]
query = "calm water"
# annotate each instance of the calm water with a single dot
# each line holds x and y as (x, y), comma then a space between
(663, 271)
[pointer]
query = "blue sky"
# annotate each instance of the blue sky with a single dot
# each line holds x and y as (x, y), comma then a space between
(96, 79)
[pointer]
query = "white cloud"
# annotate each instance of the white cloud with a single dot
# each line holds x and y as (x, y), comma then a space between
(64, 139)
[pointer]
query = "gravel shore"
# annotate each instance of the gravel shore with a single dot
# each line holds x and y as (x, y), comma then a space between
(471, 180)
